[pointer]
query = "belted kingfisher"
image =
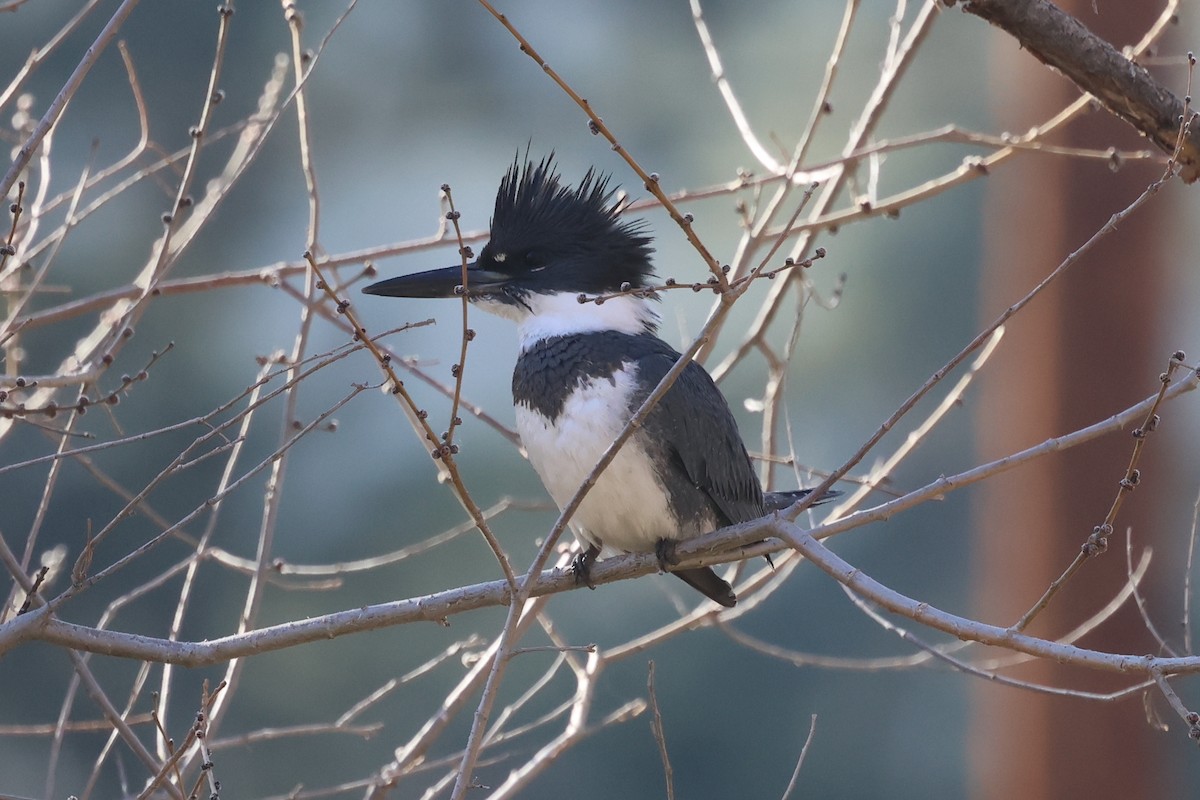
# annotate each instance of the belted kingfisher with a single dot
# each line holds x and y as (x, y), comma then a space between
(585, 367)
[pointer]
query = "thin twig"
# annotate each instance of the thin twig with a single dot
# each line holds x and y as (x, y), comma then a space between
(1097, 542)
(59, 104)
(1187, 576)
(443, 453)
(808, 740)
(657, 728)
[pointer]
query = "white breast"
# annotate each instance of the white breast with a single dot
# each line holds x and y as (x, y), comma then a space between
(628, 507)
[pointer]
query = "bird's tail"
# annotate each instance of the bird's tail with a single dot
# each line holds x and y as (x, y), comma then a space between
(705, 581)
(708, 583)
(778, 501)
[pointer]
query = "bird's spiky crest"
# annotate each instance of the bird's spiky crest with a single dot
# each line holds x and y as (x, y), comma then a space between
(536, 213)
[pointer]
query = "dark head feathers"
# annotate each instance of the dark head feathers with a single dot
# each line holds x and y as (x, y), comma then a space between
(540, 223)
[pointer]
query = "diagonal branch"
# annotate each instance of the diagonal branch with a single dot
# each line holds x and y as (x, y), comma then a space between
(1125, 88)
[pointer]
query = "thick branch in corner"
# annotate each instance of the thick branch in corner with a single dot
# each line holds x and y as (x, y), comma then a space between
(1126, 89)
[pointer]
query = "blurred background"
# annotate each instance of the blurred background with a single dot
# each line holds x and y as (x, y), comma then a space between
(406, 97)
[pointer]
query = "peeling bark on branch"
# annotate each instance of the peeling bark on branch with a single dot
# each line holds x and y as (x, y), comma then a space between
(1126, 89)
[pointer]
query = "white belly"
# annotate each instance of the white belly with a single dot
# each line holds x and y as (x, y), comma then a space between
(628, 508)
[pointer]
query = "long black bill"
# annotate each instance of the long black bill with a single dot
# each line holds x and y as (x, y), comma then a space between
(440, 283)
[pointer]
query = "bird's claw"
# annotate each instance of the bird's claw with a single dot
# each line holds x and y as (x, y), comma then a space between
(581, 566)
(664, 551)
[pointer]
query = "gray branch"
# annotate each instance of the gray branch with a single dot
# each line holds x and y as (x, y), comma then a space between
(1126, 89)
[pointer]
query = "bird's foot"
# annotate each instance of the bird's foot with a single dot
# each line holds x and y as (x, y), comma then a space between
(664, 551)
(581, 566)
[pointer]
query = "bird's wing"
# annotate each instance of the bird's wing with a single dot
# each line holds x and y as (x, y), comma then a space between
(694, 421)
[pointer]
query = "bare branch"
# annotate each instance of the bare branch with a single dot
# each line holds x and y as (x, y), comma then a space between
(660, 736)
(1122, 85)
(90, 57)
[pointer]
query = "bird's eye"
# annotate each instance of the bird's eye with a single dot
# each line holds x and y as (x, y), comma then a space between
(535, 260)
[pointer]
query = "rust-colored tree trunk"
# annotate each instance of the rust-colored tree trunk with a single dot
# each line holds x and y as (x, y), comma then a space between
(1084, 350)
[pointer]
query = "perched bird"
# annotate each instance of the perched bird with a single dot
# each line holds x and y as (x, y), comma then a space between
(586, 367)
